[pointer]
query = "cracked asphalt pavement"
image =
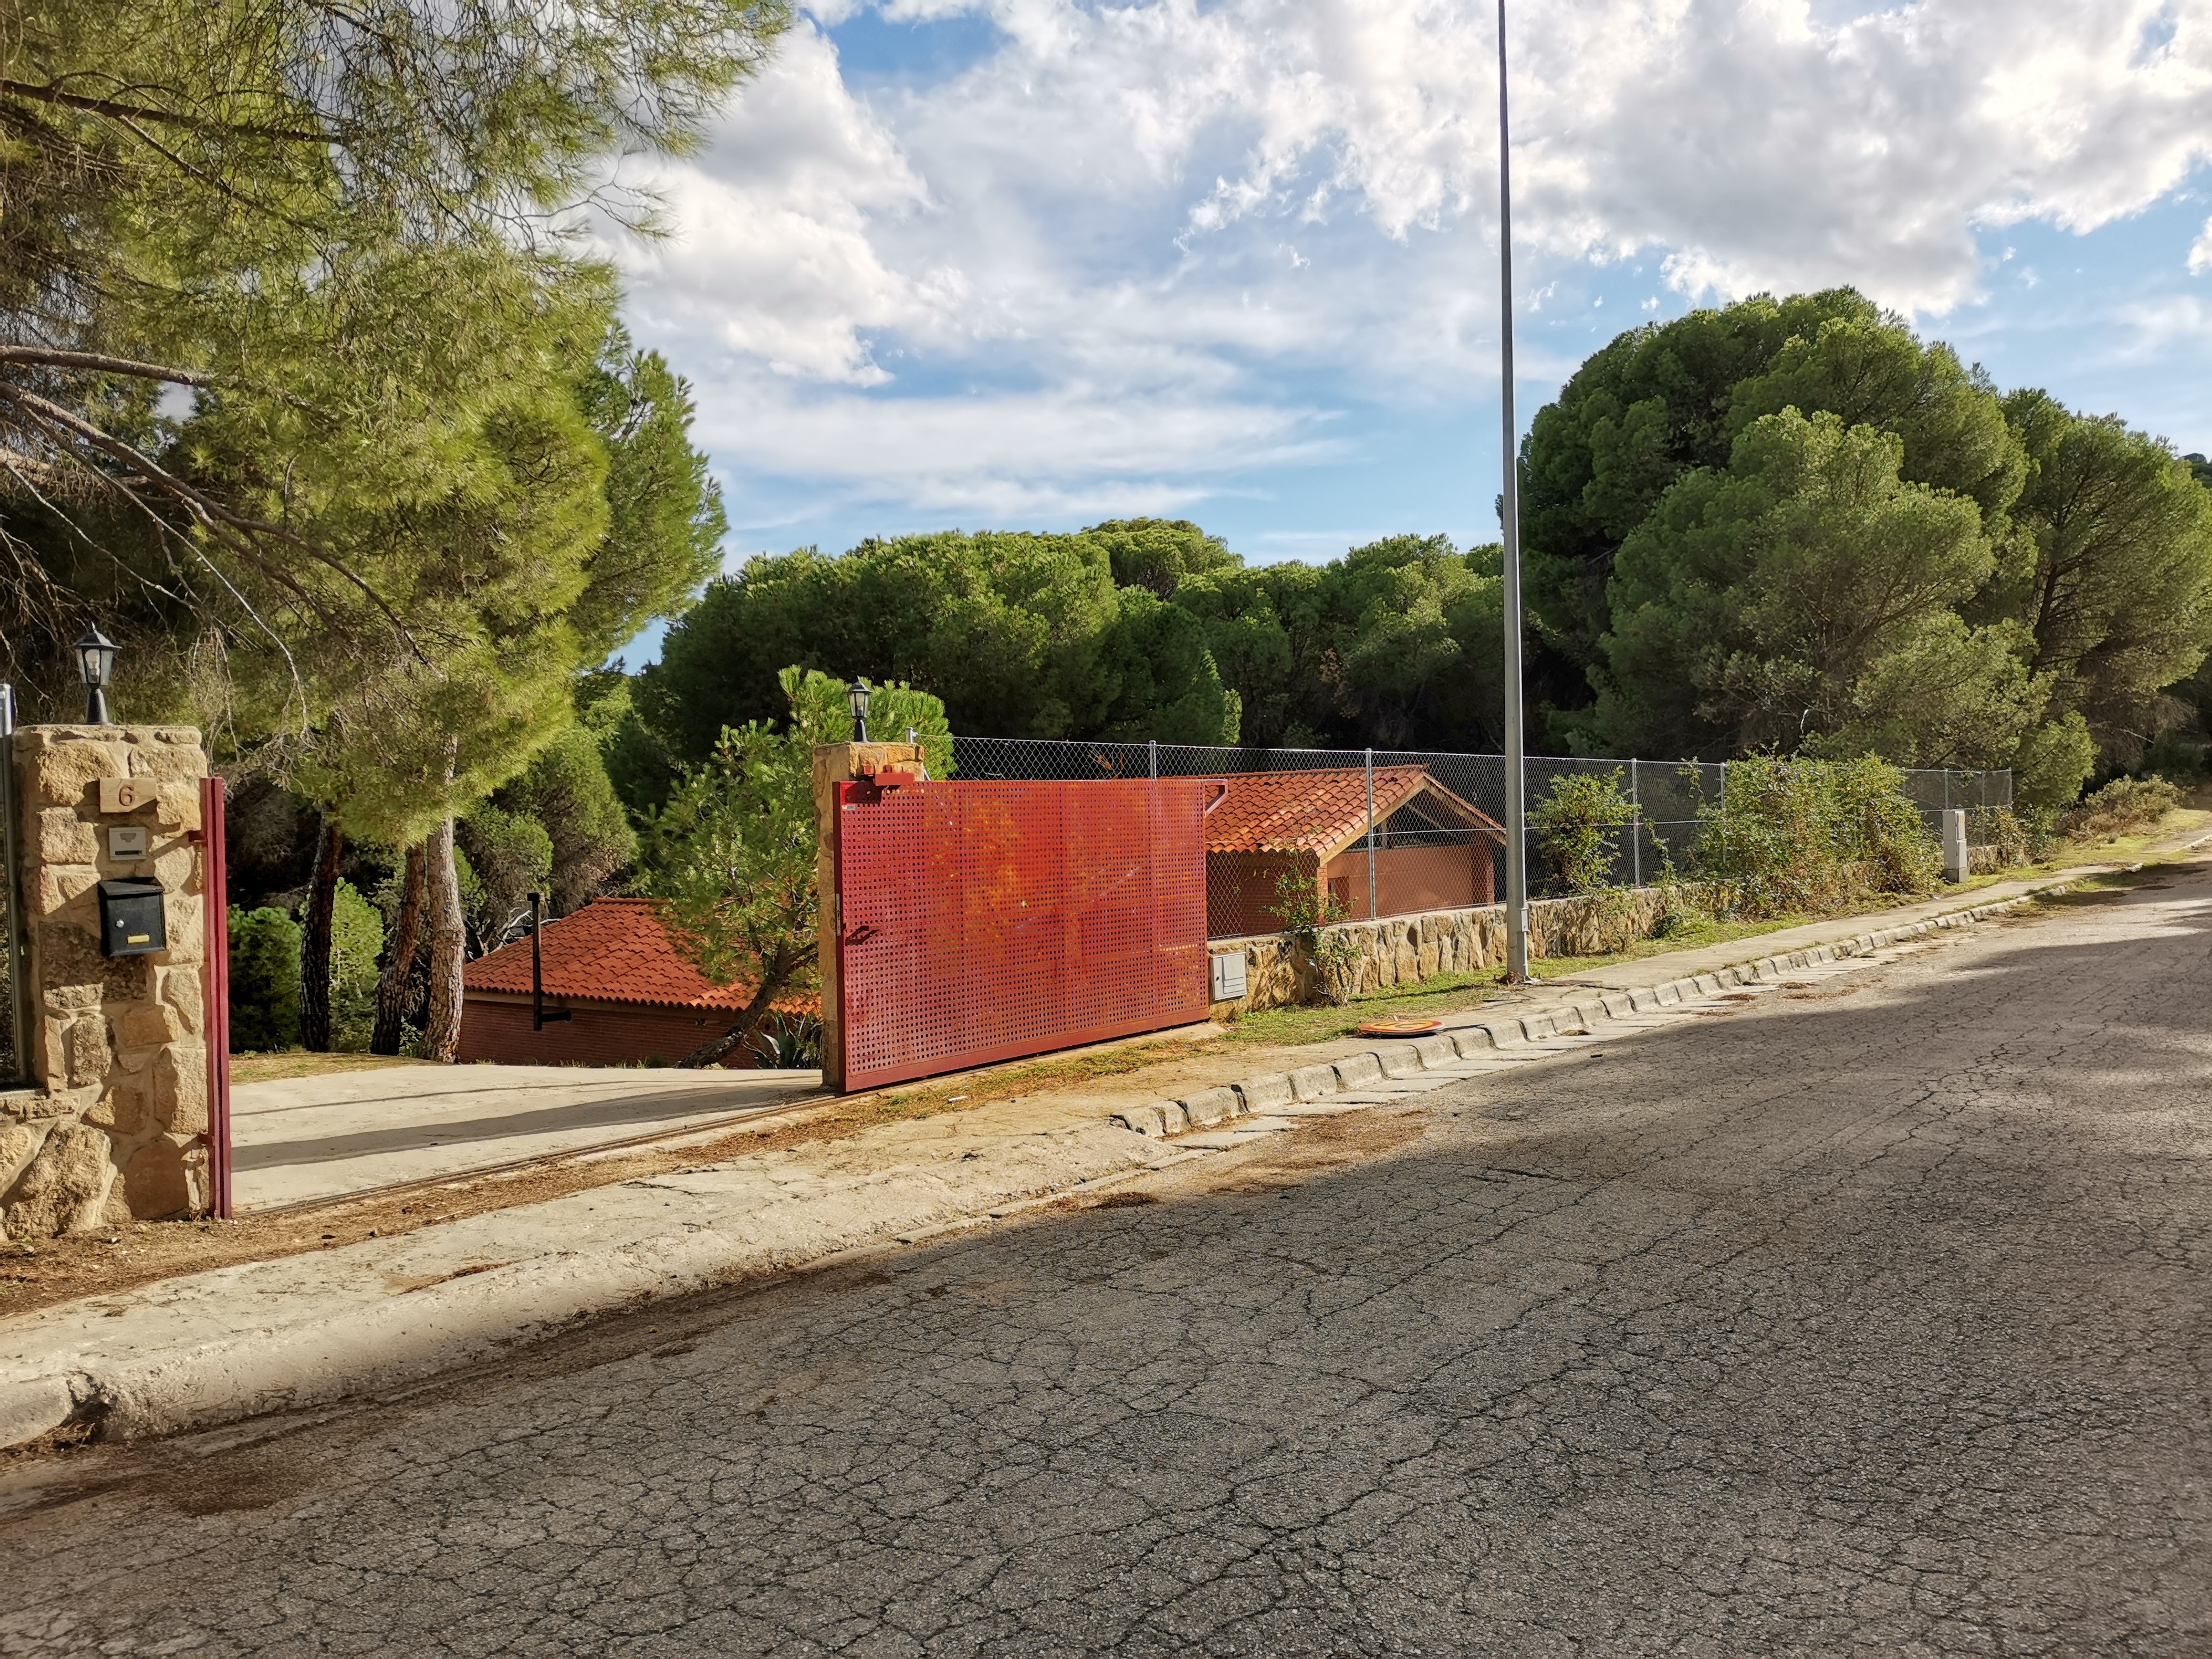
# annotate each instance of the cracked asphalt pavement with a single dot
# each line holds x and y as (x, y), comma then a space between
(1865, 1317)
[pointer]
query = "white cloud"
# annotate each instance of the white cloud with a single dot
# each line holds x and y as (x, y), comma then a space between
(1065, 451)
(768, 252)
(1116, 253)
(2200, 252)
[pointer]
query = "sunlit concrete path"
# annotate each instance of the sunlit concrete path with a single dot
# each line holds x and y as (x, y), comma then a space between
(353, 1132)
(1867, 1316)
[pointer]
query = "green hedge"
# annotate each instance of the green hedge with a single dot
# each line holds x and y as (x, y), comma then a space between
(265, 981)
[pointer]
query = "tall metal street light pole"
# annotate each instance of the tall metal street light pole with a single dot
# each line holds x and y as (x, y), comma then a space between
(1516, 826)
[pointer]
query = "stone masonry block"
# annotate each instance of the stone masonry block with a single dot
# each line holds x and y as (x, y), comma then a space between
(1260, 1094)
(65, 1188)
(169, 762)
(180, 988)
(151, 1022)
(177, 864)
(1437, 1049)
(1147, 1121)
(1667, 994)
(18, 1143)
(1539, 1026)
(1173, 1118)
(1314, 1082)
(121, 1107)
(1210, 1105)
(1357, 1071)
(86, 1054)
(1644, 999)
(57, 884)
(180, 1096)
(63, 775)
(1618, 1004)
(1473, 1040)
(178, 802)
(65, 838)
(165, 1179)
(187, 931)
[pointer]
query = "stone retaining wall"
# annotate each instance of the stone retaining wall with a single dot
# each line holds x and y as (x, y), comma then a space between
(1407, 949)
(117, 1126)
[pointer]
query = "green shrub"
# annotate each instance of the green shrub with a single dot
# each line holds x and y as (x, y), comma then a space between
(265, 981)
(1805, 836)
(1578, 827)
(787, 1042)
(357, 941)
(1307, 911)
(1679, 908)
(2027, 836)
(2122, 806)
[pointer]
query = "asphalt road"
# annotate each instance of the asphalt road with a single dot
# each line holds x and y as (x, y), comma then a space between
(1869, 1318)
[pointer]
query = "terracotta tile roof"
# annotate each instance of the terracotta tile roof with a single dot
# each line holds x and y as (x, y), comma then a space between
(613, 949)
(1321, 811)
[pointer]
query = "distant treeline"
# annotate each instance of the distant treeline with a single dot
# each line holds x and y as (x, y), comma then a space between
(1787, 525)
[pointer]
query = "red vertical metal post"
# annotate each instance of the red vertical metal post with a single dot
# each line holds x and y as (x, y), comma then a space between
(215, 891)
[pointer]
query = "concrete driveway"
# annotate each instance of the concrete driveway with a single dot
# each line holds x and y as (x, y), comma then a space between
(1869, 1316)
(323, 1137)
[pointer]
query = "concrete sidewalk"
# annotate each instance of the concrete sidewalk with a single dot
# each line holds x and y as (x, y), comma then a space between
(310, 1328)
(305, 1138)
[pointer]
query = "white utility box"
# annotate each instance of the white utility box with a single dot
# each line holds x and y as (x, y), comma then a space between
(1228, 976)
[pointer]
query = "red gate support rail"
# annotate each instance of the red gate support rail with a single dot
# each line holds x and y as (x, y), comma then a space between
(215, 897)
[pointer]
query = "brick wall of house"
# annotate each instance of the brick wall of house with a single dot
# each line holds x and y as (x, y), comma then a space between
(1409, 880)
(497, 1028)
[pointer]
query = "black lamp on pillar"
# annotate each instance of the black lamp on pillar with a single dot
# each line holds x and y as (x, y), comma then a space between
(859, 695)
(96, 666)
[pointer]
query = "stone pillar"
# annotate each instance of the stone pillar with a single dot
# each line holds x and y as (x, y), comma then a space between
(836, 763)
(117, 1126)
(1956, 858)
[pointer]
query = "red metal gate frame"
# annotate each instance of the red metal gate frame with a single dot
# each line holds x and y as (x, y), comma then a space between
(849, 934)
(214, 900)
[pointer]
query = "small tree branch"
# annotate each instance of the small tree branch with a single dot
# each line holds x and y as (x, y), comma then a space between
(230, 528)
(123, 112)
(94, 362)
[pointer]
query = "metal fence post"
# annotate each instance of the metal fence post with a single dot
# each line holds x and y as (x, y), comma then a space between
(214, 904)
(1635, 830)
(1371, 911)
(1152, 754)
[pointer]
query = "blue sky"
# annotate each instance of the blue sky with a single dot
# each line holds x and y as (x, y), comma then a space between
(1029, 263)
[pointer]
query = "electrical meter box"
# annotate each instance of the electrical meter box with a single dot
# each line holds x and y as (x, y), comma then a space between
(132, 919)
(1228, 976)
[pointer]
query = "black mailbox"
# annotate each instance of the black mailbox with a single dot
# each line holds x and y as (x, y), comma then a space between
(131, 921)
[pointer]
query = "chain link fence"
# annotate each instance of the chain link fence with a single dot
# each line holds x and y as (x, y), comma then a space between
(1392, 832)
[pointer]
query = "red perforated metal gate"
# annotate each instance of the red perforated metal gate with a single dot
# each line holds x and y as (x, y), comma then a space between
(980, 921)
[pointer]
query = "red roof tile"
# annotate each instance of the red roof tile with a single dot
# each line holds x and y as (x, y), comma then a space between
(613, 949)
(1321, 811)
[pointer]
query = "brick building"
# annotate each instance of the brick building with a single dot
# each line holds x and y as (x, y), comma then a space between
(631, 995)
(1432, 850)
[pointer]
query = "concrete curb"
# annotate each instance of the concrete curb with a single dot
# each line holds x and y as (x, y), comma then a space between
(1590, 1012)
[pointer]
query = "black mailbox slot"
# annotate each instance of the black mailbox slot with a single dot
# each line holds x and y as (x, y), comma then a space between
(132, 922)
